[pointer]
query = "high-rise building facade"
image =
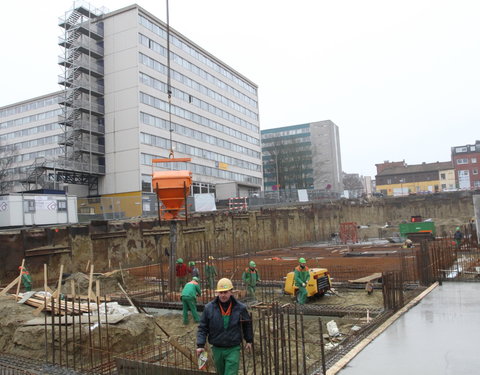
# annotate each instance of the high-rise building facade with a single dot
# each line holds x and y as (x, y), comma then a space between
(125, 103)
(305, 156)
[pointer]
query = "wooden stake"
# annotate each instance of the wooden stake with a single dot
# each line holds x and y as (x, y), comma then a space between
(45, 283)
(20, 279)
(72, 287)
(46, 288)
(10, 286)
(121, 273)
(58, 292)
(97, 287)
(128, 298)
(90, 282)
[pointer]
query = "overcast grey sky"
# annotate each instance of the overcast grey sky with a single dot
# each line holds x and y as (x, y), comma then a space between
(401, 79)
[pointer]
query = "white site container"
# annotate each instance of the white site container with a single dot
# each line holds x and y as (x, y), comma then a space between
(37, 209)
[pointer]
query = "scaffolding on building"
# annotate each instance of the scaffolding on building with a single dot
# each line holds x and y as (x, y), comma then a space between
(82, 118)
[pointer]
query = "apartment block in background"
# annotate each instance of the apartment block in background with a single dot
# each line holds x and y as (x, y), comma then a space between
(466, 161)
(305, 156)
(398, 178)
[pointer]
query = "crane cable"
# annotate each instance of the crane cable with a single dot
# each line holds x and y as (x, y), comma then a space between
(169, 85)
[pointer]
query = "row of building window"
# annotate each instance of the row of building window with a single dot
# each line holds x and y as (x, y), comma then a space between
(195, 188)
(466, 173)
(162, 87)
(31, 118)
(29, 206)
(154, 46)
(465, 149)
(39, 154)
(30, 106)
(465, 161)
(195, 54)
(291, 139)
(195, 134)
(283, 133)
(12, 147)
(156, 141)
(191, 116)
(30, 131)
(146, 159)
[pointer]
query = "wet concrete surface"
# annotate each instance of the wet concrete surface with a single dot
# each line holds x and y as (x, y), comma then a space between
(441, 335)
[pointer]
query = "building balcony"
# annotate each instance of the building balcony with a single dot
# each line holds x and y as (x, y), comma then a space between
(82, 124)
(83, 45)
(84, 85)
(77, 21)
(76, 166)
(83, 106)
(82, 63)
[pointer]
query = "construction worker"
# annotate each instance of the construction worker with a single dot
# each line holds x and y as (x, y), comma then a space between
(210, 273)
(181, 272)
(407, 244)
(189, 299)
(301, 277)
(250, 277)
(224, 322)
(458, 237)
(193, 269)
(369, 288)
(26, 279)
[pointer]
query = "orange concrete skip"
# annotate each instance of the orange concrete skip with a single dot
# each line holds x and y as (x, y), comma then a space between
(172, 179)
(171, 188)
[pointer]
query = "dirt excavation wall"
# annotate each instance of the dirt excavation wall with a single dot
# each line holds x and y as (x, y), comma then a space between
(111, 245)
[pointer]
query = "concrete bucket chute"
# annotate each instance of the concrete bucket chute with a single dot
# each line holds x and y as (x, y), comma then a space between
(172, 189)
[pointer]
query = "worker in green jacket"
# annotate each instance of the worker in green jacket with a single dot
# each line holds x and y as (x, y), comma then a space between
(210, 273)
(301, 277)
(190, 292)
(251, 277)
(26, 279)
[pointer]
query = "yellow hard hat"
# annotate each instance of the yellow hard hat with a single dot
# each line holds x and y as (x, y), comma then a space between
(224, 285)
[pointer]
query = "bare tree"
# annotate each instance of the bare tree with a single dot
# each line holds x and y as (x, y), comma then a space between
(7, 159)
(353, 183)
(290, 162)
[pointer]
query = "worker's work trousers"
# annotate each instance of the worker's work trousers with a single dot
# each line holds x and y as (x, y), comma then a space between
(227, 360)
(181, 281)
(302, 295)
(211, 282)
(189, 303)
(28, 287)
(251, 291)
(458, 244)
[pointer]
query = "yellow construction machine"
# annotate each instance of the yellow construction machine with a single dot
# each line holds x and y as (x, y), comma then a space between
(318, 284)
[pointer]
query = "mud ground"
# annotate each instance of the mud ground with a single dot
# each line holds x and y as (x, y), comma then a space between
(140, 329)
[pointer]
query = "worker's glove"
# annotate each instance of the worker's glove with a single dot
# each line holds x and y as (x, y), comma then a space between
(303, 284)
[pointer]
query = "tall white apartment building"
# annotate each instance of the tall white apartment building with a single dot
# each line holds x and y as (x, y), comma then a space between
(99, 134)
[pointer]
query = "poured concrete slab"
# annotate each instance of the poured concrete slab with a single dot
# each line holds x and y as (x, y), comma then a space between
(440, 335)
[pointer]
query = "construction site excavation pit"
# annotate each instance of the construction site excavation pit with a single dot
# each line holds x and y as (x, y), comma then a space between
(129, 319)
